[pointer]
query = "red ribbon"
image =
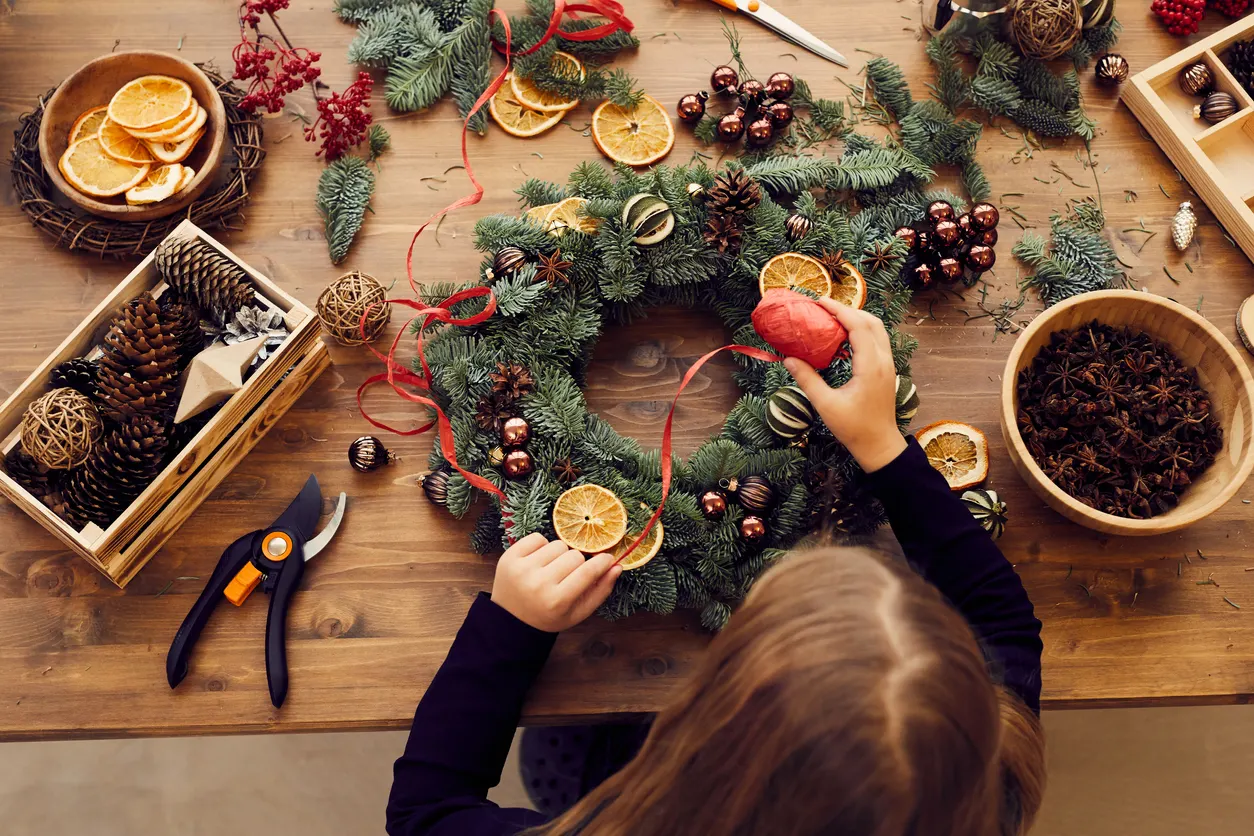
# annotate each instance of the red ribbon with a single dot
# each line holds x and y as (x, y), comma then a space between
(745, 350)
(397, 374)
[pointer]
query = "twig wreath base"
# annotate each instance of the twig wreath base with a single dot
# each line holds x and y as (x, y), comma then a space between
(73, 230)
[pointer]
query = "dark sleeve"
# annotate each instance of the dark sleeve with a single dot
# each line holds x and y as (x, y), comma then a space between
(463, 729)
(948, 547)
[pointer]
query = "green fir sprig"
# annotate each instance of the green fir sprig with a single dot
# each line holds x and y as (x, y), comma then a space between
(344, 192)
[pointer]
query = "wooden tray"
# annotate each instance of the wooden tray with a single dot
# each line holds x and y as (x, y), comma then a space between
(1217, 160)
(135, 536)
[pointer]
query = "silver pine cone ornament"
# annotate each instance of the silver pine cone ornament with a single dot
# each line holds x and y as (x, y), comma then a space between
(249, 323)
(1183, 225)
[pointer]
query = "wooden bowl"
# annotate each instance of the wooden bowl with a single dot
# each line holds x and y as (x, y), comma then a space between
(1197, 343)
(94, 84)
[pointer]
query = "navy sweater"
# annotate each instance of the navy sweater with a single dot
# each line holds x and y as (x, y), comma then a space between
(465, 722)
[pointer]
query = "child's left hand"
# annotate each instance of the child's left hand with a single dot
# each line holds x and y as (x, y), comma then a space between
(550, 586)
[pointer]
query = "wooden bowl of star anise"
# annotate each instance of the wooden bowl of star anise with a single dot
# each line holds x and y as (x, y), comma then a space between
(1128, 413)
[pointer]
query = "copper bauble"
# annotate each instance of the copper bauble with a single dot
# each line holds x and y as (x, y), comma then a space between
(755, 493)
(922, 275)
(1111, 70)
(984, 216)
(518, 464)
(1197, 79)
(759, 133)
(752, 92)
(713, 505)
(515, 432)
(752, 528)
(780, 86)
(981, 258)
(368, 453)
(987, 237)
(940, 210)
(951, 269)
(435, 486)
(729, 127)
(946, 233)
(724, 80)
(781, 114)
(923, 242)
(907, 234)
(692, 107)
(507, 260)
(964, 223)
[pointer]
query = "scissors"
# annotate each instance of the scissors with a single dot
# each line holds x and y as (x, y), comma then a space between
(768, 17)
(274, 558)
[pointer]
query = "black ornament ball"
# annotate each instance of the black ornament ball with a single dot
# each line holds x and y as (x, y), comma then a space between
(755, 493)
(984, 216)
(752, 92)
(752, 528)
(964, 223)
(981, 258)
(724, 80)
(1111, 70)
(518, 464)
(435, 486)
(692, 107)
(515, 432)
(713, 505)
(780, 113)
(507, 260)
(368, 453)
(759, 133)
(907, 234)
(951, 269)
(780, 86)
(729, 127)
(940, 210)
(946, 233)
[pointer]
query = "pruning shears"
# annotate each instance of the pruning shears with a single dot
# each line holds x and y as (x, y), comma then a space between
(273, 558)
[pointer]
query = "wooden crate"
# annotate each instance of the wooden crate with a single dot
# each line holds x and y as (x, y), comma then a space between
(1217, 160)
(134, 537)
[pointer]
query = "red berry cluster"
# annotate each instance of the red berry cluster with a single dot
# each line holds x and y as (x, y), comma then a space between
(1230, 8)
(252, 10)
(273, 68)
(343, 118)
(1181, 16)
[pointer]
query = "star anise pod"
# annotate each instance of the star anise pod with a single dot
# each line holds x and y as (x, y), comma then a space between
(878, 257)
(553, 269)
(834, 261)
(493, 410)
(723, 232)
(512, 380)
(565, 471)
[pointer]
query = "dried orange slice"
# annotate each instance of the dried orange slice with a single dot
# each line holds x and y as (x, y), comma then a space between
(638, 136)
(197, 126)
(531, 96)
(189, 174)
(589, 518)
(160, 183)
(539, 214)
(565, 215)
(175, 152)
(517, 120)
(167, 130)
(88, 124)
(120, 145)
(848, 286)
(149, 101)
(90, 170)
(644, 552)
(795, 271)
(958, 451)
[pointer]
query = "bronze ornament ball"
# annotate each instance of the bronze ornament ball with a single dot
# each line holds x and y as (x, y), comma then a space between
(752, 528)
(713, 505)
(1197, 79)
(947, 233)
(755, 493)
(964, 223)
(907, 234)
(981, 258)
(1217, 107)
(922, 241)
(984, 216)
(760, 132)
(940, 210)
(435, 486)
(368, 453)
(1111, 70)
(506, 261)
(797, 227)
(518, 464)
(515, 432)
(691, 108)
(752, 92)
(987, 237)
(730, 127)
(922, 275)
(341, 306)
(724, 80)
(780, 86)
(781, 114)
(951, 269)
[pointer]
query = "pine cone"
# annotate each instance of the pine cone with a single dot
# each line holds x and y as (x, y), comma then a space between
(492, 412)
(733, 194)
(1240, 59)
(724, 233)
(219, 286)
(1041, 118)
(139, 372)
(38, 480)
(120, 467)
(79, 374)
(184, 318)
(512, 380)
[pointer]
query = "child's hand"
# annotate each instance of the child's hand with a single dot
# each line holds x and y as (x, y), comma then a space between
(862, 414)
(550, 585)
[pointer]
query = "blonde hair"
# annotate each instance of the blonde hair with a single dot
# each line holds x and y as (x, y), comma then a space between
(846, 696)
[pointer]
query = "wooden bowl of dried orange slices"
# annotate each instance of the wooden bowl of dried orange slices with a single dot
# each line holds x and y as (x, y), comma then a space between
(133, 136)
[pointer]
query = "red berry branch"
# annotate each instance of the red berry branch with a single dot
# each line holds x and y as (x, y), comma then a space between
(343, 118)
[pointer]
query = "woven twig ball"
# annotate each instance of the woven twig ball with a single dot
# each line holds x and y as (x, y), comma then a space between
(344, 301)
(60, 429)
(1045, 29)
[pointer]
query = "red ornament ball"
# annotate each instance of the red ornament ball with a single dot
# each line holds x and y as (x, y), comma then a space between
(797, 326)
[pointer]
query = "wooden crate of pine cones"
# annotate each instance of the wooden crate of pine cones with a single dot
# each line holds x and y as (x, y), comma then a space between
(122, 484)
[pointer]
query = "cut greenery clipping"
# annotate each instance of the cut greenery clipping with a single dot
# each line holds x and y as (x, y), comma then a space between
(433, 47)
(551, 329)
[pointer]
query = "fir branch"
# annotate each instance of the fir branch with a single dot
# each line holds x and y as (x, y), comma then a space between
(344, 192)
(378, 141)
(361, 11)
(889, 85)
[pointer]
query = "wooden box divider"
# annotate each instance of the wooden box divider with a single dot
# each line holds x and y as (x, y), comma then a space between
(135, 536)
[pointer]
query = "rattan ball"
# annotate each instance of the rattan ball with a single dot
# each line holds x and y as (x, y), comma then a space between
(1045, 29)
(60, 429)
(344, 301)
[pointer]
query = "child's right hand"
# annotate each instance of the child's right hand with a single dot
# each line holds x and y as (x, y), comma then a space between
(551, 586)
(862, 414)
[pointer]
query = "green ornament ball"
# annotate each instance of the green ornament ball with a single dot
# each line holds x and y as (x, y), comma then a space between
(907, 399)
(988, 509)
(789, 413)
(649, 218)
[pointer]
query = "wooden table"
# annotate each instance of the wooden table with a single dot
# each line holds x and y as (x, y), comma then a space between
(1126, 622)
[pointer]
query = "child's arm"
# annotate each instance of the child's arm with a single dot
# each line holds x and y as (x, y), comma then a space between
(939, 536)
(465, 722)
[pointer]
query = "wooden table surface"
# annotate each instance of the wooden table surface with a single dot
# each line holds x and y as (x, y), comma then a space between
(1126, 622)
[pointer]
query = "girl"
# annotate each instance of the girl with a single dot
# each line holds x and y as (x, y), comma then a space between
(847, 696)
